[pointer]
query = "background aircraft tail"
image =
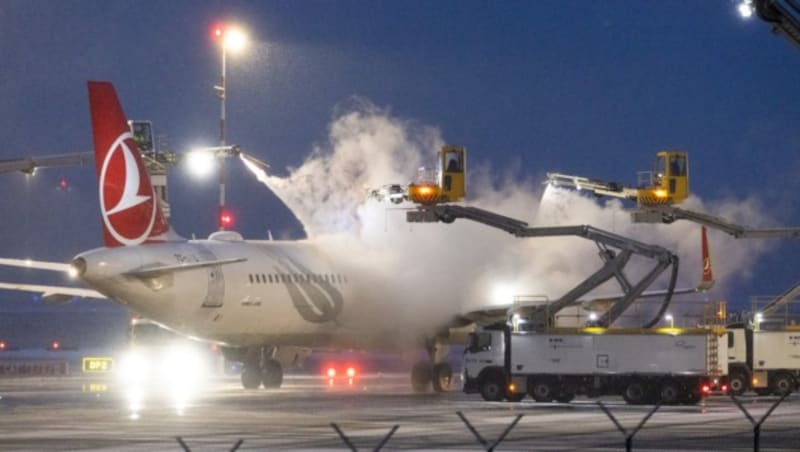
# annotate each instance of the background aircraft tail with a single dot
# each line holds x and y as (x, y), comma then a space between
(708, 275)
(129, 206)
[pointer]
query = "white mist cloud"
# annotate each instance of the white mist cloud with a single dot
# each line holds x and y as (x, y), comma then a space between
(429, 272)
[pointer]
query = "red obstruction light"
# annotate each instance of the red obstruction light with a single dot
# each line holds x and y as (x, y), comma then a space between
(217, 31)
(55, 346)
(225, 219)
(706, 389)
(3, 345)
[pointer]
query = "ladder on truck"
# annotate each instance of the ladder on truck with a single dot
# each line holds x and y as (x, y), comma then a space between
(615, 251)
(712, 353)
(715, 315)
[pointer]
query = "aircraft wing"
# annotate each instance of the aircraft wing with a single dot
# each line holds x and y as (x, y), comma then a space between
(29, 165)
(153, 271)
(38, 265)
(56, 294)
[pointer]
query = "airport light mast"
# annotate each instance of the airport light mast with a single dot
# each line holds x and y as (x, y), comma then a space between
(233, 39)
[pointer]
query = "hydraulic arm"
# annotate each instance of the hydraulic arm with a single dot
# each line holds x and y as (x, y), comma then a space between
(668, 214)
(614, 250)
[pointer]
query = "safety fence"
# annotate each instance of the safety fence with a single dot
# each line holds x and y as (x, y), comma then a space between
(491, 445)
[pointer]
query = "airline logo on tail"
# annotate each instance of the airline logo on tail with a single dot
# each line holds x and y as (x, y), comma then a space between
(128, 204)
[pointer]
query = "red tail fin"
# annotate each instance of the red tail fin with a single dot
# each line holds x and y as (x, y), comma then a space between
(708, 274)
(129, 206)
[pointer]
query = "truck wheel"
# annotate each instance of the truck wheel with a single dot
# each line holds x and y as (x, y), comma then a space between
(442, 377)
(421, 376)
(692, 396)
(565, 396)
(635, 393)
(737, 382)
(542, 391)
(782, 383)
(670, 392)
(493, 388)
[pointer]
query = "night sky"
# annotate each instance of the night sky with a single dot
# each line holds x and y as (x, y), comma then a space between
(582, 87)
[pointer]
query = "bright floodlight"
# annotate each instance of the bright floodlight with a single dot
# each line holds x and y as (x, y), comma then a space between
(502, 294)
(200, 163)
(668, 317)
(592, 316)
(746, 9)
(235, 40)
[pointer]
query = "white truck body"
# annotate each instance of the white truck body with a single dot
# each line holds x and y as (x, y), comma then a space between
(684, 354)
(671, 365)
(776, 350)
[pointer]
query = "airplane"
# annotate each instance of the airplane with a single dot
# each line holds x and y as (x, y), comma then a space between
(265, 302)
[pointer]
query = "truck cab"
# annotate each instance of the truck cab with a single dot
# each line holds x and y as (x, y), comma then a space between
(484, 361)
(763, 356)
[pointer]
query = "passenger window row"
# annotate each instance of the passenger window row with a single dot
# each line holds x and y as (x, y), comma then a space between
(275, 278)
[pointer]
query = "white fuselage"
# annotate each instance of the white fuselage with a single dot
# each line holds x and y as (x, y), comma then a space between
(279, 293)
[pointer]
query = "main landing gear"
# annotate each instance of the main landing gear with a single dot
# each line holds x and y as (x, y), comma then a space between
(261, 369)
(433, 372)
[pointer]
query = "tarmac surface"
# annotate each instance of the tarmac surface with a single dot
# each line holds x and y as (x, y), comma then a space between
(78, 413)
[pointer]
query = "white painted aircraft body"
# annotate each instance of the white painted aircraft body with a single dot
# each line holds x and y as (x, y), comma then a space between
(253, 297)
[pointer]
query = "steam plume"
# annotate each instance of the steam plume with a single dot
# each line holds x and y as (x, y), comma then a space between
(431, 271)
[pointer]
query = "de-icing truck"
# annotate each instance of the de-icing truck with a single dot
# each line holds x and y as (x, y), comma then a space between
(667, 365)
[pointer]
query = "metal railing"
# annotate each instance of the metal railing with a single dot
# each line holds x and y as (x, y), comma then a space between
(628, 435)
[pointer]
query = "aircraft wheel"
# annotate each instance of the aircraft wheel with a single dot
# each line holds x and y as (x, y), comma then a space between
(421, 376)
(737, 382)
(251, 379)
(272, 374)
(442, 377)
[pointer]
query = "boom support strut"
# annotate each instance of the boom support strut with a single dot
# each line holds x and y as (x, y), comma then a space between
(615, 251)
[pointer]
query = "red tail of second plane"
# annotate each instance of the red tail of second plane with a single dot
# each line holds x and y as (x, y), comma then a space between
(128, 204)
(708, 275)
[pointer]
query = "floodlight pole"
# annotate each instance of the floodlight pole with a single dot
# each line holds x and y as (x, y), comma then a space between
(222, 95)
